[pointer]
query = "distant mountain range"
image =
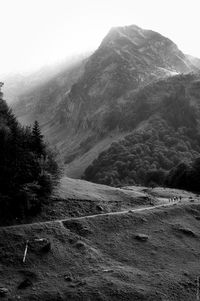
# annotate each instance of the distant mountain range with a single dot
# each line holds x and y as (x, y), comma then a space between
(103, 98)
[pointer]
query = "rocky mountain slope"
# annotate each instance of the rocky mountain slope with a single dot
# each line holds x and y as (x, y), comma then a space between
(42, 98)
(78, 117)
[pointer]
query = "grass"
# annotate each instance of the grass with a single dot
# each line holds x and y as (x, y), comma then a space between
(147, 255)
(100, 259)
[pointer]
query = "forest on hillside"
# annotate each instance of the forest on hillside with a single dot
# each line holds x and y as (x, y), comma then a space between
(28, 167)
(166, 134)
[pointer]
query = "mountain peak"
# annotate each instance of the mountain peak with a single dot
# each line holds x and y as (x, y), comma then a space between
(115, 33)
(134, 34)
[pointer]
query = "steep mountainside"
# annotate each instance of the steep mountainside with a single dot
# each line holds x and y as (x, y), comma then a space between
(166, 118)
(194, 60)
(17, 85)
(40, 98)
(76, 119)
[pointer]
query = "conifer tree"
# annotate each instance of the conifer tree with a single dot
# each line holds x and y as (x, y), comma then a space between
(28, 169)
(37, 140)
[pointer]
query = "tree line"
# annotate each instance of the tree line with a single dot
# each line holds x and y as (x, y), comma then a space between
(28, 167)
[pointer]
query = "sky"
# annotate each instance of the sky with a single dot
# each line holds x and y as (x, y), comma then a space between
(35, 33)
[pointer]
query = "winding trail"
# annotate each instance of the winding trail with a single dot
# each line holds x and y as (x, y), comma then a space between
(93, 216)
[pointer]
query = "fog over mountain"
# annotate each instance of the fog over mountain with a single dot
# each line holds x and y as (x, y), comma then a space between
(18, 84)
(82, 109)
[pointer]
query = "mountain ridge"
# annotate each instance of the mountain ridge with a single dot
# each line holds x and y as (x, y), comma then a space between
(128, 59)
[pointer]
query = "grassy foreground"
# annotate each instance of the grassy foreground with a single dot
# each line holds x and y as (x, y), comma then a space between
(148, 255)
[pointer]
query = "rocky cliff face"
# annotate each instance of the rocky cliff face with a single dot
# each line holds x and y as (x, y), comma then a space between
(128, 59)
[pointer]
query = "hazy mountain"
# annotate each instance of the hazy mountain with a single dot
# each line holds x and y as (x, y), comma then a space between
(194, 60)
(16, 85)
(79, 110)
(40, 100)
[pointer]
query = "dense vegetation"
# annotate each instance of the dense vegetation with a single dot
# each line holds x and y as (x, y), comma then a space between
(185, 176)
(145, 156)
(166, 122)
(28, 169)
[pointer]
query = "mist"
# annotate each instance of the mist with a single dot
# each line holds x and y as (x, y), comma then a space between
(39, 33)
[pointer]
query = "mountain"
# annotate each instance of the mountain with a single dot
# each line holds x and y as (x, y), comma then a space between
(17, 85)
(42, 100)
(194, 60)
(80, 116)
(165, 121)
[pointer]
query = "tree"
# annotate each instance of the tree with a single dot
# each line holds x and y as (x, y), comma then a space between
(37, 140)
(28, 168)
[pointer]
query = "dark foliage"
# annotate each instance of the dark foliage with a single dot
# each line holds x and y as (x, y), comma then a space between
(164, 118)
(28, 169)
(185, 176)
(146, 156)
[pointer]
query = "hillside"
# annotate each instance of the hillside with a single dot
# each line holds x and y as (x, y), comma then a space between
(40, 99)
(146, 255)
(166, 118)
(77, 116)
(194, 60)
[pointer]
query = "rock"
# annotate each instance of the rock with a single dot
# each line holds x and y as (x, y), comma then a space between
(185, 273)
(80, 245)
(46, 247)
(141, 237)
(24, 284)
(99, 208)
(40, 245)
(3, 291)
(78, 227)
(108, 270)
(183, 230)
(68, 278)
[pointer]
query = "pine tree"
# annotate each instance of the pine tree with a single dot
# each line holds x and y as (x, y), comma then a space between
(37, 140)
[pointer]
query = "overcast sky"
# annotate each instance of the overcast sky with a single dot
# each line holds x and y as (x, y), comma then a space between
(39, 32)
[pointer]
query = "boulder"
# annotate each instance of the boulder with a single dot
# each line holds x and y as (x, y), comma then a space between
(3, 291)
(141, 237)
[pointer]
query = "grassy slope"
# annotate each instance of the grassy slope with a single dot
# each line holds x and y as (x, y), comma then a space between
(75, 198)
(76, 168)
(103, 258)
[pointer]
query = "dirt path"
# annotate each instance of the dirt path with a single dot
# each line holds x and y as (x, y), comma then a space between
(92, 216)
